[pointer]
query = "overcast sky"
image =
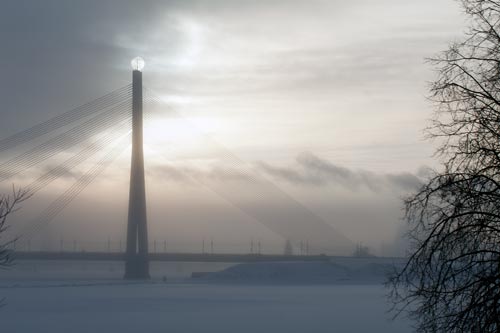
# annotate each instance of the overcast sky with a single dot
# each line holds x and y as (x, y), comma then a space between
(324, 98)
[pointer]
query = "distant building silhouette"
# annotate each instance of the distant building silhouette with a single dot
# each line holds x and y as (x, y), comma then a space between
(288, 248)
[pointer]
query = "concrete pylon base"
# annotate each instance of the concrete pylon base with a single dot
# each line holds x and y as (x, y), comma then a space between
(137, 268)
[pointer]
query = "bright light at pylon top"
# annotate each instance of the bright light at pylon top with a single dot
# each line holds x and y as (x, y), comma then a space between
(137, 64)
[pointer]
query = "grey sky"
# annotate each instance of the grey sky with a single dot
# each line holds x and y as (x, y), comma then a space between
(326, 98)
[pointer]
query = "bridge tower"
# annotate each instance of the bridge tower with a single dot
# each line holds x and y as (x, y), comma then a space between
(136, 257)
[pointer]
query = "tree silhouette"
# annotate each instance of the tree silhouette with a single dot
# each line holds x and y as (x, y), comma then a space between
(451, 282)
(8, 204)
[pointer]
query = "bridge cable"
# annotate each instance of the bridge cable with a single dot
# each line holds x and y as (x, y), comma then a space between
(267, 185)
(64, 140)
(71, 193)
(86, 153)
(66, 118)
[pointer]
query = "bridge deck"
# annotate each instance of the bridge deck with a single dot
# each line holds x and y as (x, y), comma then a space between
(185, 257)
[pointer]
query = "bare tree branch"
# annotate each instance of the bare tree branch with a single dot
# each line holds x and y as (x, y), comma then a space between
(8, 205)
(451, 282)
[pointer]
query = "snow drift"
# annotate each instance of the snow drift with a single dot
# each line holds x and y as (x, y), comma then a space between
(300, 273)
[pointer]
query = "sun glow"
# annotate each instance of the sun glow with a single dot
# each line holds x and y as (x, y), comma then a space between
(179, 135)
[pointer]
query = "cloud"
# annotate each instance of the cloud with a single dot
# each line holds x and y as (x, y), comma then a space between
(186, 174)
(308, 170)
(315, 171)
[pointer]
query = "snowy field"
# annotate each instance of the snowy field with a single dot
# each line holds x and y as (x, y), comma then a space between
(90, 297)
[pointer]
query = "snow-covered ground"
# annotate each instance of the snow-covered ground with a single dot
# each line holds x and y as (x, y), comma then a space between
(90, 297)
(302, 273)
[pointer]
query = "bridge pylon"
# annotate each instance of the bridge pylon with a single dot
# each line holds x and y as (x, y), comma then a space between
(136, 256)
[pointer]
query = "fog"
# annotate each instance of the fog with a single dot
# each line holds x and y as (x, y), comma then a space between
(302, 124)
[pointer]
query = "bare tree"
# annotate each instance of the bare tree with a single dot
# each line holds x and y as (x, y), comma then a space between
(451, 282)
(8, 205)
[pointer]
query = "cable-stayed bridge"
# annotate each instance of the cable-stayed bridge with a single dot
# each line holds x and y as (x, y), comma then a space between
(101, 130)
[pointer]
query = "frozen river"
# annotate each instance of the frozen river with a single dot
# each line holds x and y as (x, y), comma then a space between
(38, 303)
